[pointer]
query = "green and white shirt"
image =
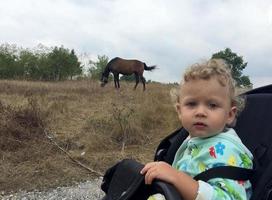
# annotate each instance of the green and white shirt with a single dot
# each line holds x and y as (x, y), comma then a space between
(196, 155)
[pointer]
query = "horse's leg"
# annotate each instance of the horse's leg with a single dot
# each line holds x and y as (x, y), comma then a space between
(143, 81)
(116, 81)
(118, 85)
(137, 80)
(114, 78)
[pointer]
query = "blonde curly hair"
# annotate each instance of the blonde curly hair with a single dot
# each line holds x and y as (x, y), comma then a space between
(212, 68)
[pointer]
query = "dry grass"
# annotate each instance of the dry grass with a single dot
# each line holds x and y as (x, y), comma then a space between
(87, 120)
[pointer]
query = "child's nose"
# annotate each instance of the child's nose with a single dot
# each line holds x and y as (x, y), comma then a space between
(201, 111)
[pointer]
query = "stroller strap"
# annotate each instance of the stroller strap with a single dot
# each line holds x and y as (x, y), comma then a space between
(229, 172)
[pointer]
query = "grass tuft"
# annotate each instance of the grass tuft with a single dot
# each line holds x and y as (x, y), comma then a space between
(97, 126)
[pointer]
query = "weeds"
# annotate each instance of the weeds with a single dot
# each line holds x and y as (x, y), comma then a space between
(122, 116)
(106, 124)
(20, 124)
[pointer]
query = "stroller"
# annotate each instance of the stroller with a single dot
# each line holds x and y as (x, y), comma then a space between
(124, 182)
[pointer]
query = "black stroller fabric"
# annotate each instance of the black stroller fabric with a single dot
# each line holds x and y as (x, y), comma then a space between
(255, 130)
(254, 126)
(123, 181)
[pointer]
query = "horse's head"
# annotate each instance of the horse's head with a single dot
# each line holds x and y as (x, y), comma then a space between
(104, 80)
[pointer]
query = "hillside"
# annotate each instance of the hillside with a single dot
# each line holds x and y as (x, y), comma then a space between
(96, 126)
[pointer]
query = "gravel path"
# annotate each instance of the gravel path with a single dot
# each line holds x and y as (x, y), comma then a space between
(89, 190)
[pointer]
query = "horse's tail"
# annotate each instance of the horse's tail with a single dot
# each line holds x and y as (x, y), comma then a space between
(149, 68)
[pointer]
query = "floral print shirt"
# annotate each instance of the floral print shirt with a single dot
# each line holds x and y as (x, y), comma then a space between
(196, 155)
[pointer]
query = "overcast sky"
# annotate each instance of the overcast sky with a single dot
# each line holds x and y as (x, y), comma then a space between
(171, 34)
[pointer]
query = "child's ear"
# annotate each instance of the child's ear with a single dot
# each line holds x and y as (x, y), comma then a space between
(232, 115)
(177, 106)
(178, 110)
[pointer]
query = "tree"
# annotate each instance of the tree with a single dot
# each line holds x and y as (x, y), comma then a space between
(28, 64)
(236, 64)
(64, 63)
(74, 66)
(98, 67)
(8, 61)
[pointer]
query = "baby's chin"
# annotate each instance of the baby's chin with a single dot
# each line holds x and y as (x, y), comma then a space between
(203, 135)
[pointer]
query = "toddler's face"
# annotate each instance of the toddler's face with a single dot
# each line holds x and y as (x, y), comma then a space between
(205, 107)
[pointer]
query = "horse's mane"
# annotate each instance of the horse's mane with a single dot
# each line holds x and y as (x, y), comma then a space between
(107, 68)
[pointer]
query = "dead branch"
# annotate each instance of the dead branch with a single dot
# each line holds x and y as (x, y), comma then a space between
(53, 140)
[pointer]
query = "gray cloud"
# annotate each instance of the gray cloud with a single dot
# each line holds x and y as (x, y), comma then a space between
(171, 34)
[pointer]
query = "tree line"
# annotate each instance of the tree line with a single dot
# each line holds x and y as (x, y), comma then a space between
(42, 63)
(59, 63)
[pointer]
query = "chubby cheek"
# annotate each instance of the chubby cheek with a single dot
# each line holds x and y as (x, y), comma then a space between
(184, 115)
(185, 120)
(219, 123)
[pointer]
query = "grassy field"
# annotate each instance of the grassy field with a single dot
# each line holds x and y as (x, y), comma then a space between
(96, 126)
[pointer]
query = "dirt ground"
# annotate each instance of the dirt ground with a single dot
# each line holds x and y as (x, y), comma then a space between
(49, 130)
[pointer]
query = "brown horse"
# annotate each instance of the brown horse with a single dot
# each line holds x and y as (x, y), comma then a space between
(126, 67)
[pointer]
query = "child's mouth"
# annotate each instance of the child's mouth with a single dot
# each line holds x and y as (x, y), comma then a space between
(200, 125)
